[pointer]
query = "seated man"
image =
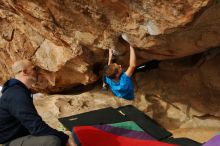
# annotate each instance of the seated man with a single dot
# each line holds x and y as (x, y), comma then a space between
(20, 124)
(119, 81)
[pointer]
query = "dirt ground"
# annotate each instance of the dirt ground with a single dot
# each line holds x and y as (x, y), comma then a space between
(54, 106)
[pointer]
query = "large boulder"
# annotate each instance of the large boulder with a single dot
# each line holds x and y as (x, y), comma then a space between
(68, 40)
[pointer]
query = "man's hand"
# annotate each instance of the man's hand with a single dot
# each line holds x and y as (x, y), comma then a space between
(71, 142)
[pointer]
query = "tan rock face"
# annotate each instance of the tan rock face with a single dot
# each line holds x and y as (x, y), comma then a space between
(182, 93)
(66, 39)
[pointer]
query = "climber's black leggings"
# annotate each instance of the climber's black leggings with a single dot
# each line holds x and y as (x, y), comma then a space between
(147, 66)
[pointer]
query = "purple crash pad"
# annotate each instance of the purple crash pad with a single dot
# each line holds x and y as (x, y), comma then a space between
(215, 141)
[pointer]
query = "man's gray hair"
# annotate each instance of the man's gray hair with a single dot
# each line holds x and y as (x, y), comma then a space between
(21, 65)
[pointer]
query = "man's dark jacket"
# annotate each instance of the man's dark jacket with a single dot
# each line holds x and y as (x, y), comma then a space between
(18, 116)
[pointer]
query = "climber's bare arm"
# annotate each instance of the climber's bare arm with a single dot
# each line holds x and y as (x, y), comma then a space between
(132, 63)
(110, 56)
